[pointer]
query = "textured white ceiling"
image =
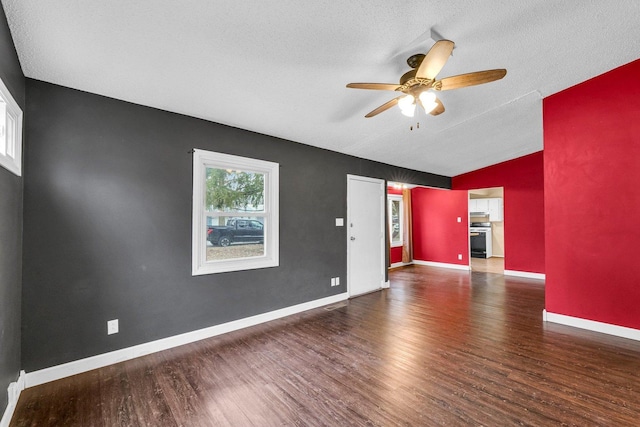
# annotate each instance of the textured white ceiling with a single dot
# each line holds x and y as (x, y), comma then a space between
(280, 67)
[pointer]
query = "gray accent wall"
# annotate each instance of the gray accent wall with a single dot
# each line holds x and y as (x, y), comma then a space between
(107, 220)
(10, 231)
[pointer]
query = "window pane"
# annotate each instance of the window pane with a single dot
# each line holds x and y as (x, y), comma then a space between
(234, 237)
(235, 213)
(10, 140)
(230, 190)
(395, 222)
(10, 132)
(3, 131)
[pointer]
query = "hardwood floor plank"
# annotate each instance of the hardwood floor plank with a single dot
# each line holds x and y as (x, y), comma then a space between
(439, 347)
(140, 397)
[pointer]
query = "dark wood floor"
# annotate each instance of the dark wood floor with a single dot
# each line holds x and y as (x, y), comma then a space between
(440, 347)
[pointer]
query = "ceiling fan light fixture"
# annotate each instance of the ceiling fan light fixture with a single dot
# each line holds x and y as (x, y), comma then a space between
(407, 105)
(406, 101)
(428, 101)
(429, 107)
(409, 111)
(427, 97)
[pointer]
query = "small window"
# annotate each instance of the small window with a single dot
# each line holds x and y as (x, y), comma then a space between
(235, 213)
(10, 132)
(395, 219)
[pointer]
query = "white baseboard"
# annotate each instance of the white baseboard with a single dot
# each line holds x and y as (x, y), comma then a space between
(525, 274)
(592, 325)
(400, 264)
(83, 365)
(13, 392)
(442, 265)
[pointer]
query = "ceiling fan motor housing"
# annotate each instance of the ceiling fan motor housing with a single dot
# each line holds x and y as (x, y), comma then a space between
(414, 61)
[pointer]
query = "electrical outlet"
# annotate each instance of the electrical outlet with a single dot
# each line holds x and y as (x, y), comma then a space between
(337, 281)
(333, 281)
(112, 326)
(460, 256)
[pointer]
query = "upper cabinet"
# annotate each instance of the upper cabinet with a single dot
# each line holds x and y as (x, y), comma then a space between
(479, 205)
(495, 209)
(491, 207)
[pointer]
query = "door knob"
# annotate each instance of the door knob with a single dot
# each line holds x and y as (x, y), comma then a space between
(353, 238)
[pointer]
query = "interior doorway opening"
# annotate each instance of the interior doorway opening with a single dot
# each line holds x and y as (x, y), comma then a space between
(399, 224)
(486, 230)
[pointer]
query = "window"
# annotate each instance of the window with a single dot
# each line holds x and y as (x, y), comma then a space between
(10, 132)
(395, 219)
(235, 213)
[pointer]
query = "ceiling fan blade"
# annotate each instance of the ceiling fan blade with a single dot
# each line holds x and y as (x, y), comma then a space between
(470, 79)
(435, 59)
(439, 109)
(384, 107)
(374, 86)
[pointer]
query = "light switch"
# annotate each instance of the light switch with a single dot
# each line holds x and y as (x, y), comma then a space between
(339, 222)
(112, 326)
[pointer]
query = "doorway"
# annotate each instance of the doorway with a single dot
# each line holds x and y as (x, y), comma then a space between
(486, 221)
(399, 226)
(365, 234)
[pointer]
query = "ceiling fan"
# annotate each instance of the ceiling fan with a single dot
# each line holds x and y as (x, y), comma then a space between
(418, 84)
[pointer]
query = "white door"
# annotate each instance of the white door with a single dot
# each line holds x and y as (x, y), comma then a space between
(365, 234)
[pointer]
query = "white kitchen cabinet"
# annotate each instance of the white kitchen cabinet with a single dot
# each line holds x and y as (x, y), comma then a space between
(495, 209)
(478, 205)
(491, 206)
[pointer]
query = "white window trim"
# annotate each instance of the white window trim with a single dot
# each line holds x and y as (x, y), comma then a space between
(11, 152)
(203, 159)
(390, 199)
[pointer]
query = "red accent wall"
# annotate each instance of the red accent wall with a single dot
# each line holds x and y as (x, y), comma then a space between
(437, 236)
(592, 198)
(524, 225)
(396, 254)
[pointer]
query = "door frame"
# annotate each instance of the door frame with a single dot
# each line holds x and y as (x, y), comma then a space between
(504, 219)
(382, 249)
